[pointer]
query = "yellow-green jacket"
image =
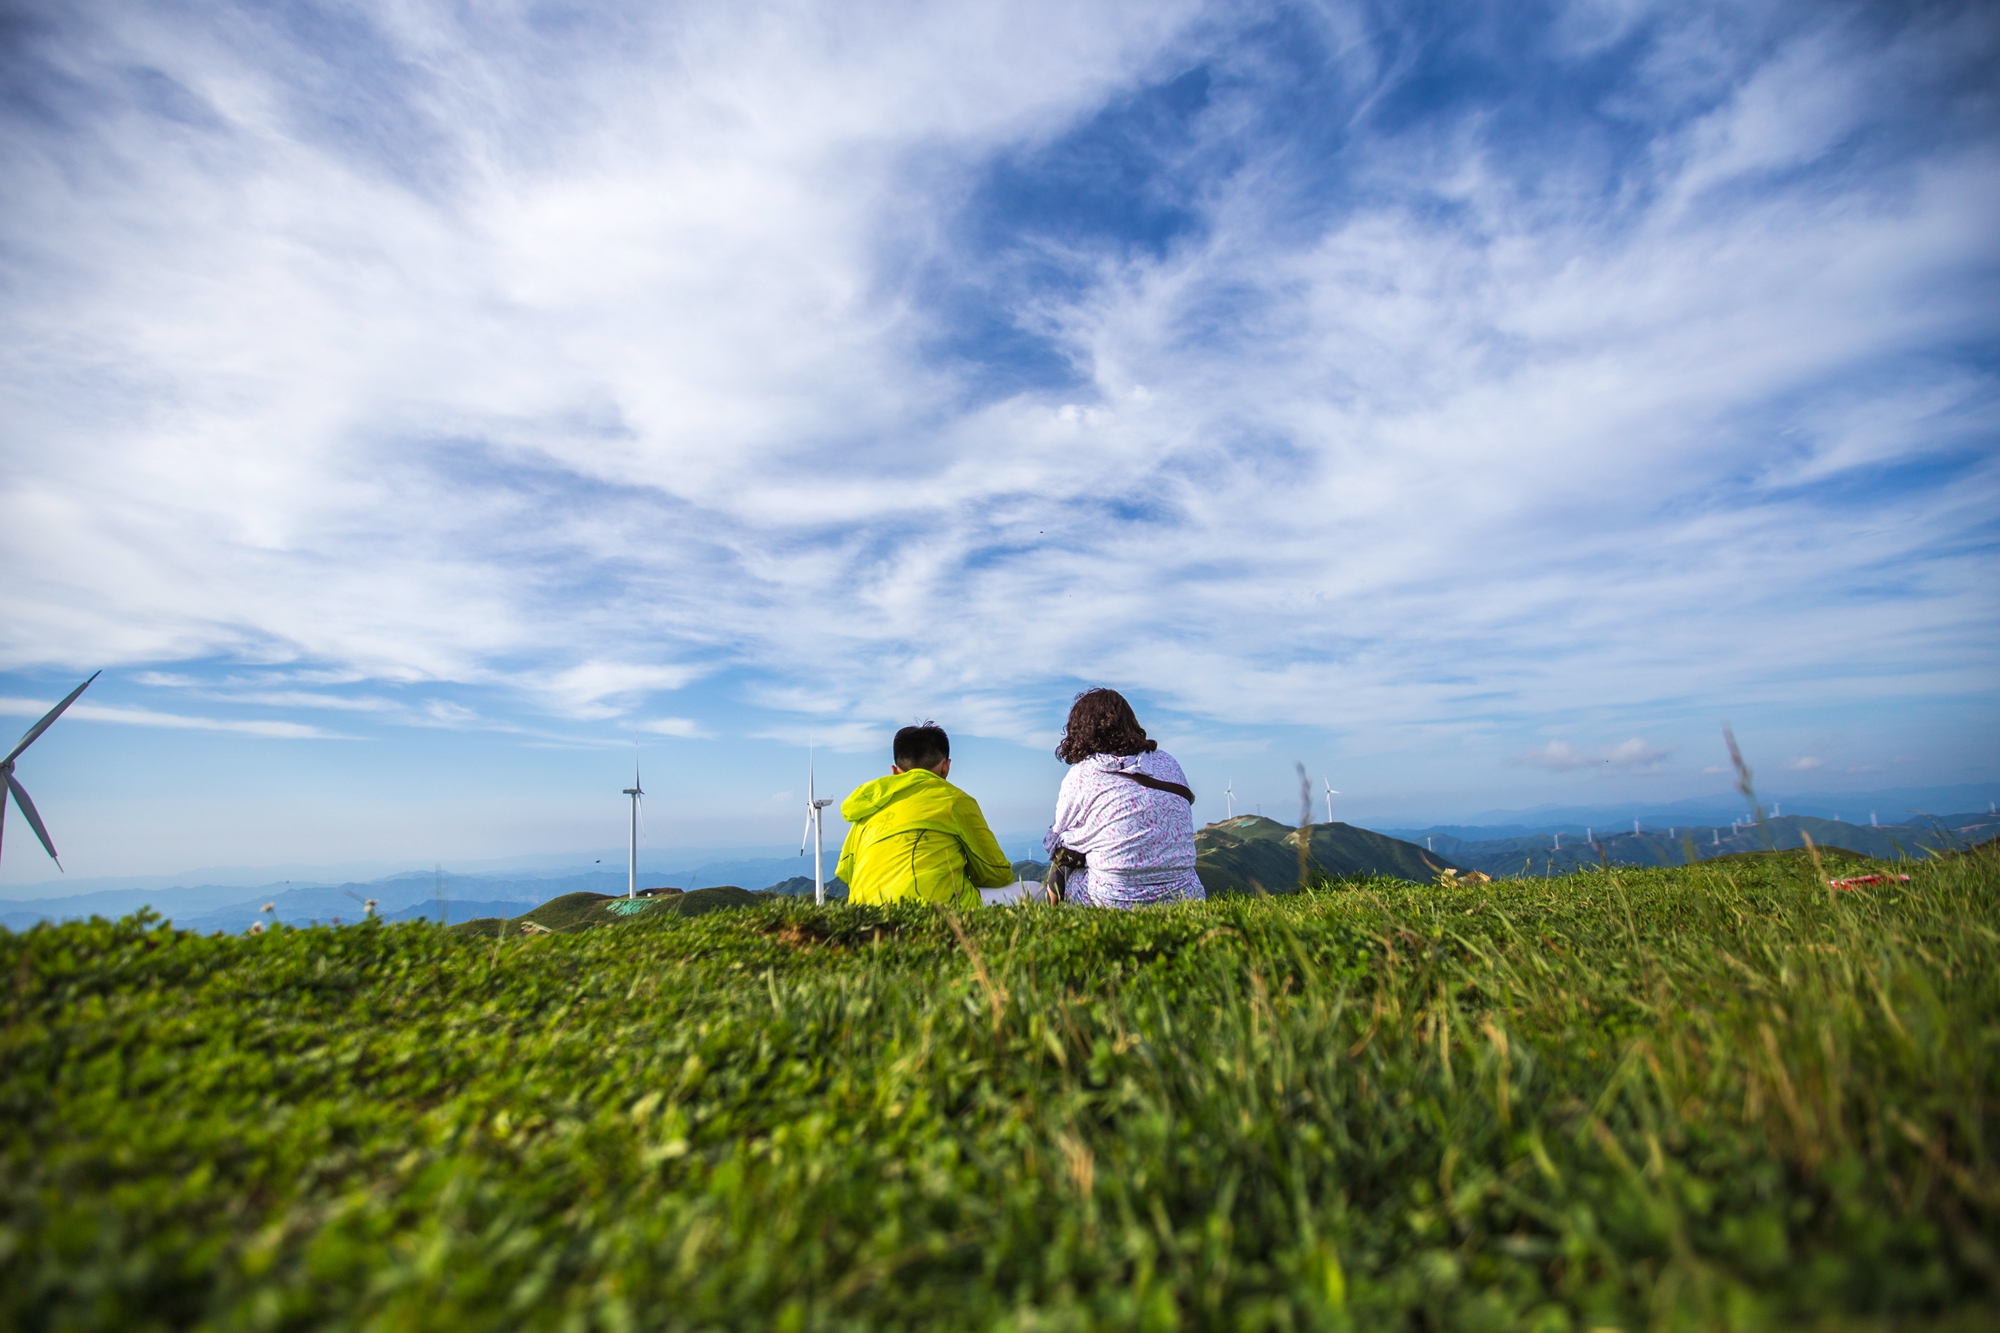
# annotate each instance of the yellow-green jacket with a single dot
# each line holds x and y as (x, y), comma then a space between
(915, 835)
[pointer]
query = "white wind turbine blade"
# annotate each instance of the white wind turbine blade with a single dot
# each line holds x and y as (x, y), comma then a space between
(34, 819)
(42, 726)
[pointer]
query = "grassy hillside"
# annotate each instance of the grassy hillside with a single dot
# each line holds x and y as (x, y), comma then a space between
(1716, 1097)
(1250, 852)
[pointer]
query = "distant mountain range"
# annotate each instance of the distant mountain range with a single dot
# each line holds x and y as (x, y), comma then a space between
(410, 896)
(1233, 854)
(1892, 805)
(1557, 854)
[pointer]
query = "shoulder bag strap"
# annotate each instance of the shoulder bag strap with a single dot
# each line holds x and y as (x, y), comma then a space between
(1146, 780)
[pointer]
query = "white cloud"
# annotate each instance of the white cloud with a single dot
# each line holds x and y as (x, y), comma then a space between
(1556, 756)
(685, 727)
(1633, 756)
(1636, 756)
(308, 700)
(598, 689)
(146, 717)
(846, 737)
(1805, 764)
(631, 371)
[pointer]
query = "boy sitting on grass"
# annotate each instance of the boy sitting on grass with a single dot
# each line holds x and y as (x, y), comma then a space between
(915, 835)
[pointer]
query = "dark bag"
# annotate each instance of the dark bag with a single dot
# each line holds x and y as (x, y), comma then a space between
(1055, 880)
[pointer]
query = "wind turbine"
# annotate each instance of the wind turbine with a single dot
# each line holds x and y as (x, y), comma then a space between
(13, 784)
(635, 791)
(1330, 794)
(1229, 792)
(815, 805)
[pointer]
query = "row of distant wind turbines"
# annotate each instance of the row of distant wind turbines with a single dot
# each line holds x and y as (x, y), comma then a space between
(1229, 794)
(815, 808)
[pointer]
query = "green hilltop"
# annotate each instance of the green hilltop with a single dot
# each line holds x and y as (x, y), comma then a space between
(1251, 852)
(580, 911)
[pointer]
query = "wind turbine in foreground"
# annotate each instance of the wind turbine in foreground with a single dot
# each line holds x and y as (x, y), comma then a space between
(635, 791)
(1330, 794)
(13, 784)
(815, 805)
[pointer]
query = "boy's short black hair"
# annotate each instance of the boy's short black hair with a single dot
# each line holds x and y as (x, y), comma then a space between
(922, 747)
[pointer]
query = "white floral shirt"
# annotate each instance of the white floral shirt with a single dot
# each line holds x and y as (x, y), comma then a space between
(1139, 842)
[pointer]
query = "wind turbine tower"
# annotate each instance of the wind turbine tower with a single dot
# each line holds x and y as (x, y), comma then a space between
(9, 783)
(635, 791)
(1229, 794)
(815, 808)
(1330, 794)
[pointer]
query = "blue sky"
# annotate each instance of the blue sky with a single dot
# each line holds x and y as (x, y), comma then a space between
(411, 407)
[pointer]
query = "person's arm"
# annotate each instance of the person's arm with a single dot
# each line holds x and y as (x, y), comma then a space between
(843, 870)
(985, 863)
(1066, 813)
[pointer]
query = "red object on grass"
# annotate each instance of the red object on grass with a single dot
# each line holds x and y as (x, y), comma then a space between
(1858, 880)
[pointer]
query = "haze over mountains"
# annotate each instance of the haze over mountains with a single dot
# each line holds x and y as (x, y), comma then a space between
(1558, 854)
(1894, 805)
(1249, 849)
(409, 896)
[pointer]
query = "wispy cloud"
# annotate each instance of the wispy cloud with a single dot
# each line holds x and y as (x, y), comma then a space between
(304, 699)
(1556, 756)
(942, 358)
(1637, 755)
(685, 727)
(146, 717)
(850, 737)
(599, 689)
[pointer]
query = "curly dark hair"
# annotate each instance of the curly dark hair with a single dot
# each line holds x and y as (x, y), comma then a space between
(1101, 722)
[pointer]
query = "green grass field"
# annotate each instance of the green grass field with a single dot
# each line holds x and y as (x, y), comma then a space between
(1716, 1097)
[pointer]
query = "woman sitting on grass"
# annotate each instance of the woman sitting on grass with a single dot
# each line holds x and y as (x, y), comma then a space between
(1125, 807)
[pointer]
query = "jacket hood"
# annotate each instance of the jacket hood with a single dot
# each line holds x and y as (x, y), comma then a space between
(871, 798)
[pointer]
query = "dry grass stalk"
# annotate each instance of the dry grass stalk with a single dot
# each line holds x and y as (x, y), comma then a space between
(995, 996)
